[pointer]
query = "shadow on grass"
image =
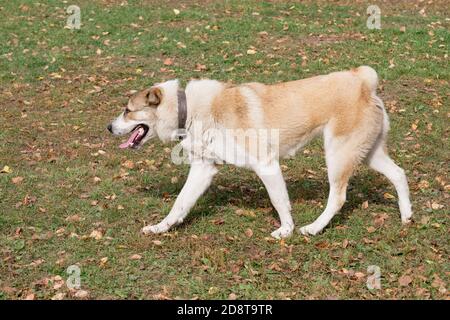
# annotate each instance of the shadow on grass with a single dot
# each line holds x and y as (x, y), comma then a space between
(244, 190)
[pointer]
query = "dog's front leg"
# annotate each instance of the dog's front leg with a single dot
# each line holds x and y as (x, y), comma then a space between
(199, 179)
(271, 176)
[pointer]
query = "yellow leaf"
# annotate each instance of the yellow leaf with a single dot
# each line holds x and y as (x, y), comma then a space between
(388, 196)
(6, 169)
(103, 261)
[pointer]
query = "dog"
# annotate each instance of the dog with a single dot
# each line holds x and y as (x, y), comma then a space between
(343, 107)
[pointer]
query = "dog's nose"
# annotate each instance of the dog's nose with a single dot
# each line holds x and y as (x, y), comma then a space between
(109, 127)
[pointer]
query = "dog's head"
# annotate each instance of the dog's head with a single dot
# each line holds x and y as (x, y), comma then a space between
(143, 112)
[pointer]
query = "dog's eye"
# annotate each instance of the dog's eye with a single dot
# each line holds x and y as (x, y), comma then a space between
(126, 111)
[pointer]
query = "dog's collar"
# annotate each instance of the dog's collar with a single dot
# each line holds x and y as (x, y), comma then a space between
(182, 114)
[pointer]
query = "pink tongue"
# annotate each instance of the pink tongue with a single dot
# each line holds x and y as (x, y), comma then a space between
(130, 139)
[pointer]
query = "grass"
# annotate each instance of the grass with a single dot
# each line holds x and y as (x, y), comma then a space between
(61, 87)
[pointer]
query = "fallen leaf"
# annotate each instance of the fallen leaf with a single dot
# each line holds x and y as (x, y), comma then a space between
(345, 243)
(405, 280)
(388, 196)
(96, 234)
(436, 206)
(6, 169)
(322, 245)
(73, 218)
(59, 296)
(249, 233)
(128, 164)
(176, 11)
(136, 257)
(168, 62)
(423, 184)
(232, 296)
(30, 296)
(200, 67)
(157, 242)
(81, 294)
(251, 51)
(371, 229)
(17, 180)
(103, 261)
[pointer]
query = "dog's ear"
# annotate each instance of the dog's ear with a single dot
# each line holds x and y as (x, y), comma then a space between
(153, 96)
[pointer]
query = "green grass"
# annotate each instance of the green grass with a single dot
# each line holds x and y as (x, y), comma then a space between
(59, 92)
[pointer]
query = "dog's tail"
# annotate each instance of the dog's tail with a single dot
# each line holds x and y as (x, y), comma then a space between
(369, 77)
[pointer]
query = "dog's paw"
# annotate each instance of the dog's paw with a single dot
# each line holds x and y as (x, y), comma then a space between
(310, 230)
(282, 232)
(157, 228)
(406, 218)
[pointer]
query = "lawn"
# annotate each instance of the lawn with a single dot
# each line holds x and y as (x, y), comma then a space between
(69, 196)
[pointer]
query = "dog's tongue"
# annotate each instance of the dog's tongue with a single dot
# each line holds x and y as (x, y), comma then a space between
(130, 139)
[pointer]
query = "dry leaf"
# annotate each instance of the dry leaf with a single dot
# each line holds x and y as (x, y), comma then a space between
(345, 243)
(168, 62)
(136, 257)
(388, 196)
(30, 296)
(200, 67)
(17, 180)
(436, 206)
(103, 261)
(371, 229)
(249, 233)
(251, 51)
(6, 169)
(96, 234)
(59, 296)
(73, 218)
(81, 294)
(404, 280)
(128, 164)
(157, 242)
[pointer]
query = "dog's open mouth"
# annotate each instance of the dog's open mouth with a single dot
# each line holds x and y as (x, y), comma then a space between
(138, 133)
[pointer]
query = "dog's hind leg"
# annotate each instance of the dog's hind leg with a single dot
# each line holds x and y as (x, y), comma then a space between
(381, 162)
(199, 179)
(342, 156)
(271, 176)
